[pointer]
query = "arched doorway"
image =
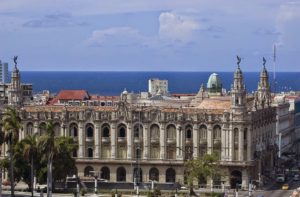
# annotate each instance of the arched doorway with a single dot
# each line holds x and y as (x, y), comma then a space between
(121, 174)
(170, 175)
(88, 171)
(138, 175)
(105, 173)
(154, 174)
(235, 178)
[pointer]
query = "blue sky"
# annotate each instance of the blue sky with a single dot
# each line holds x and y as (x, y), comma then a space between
(143, 35)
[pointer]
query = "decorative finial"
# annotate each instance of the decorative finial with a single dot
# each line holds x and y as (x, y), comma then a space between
(264, 62)
(238, 61)
(15, 60)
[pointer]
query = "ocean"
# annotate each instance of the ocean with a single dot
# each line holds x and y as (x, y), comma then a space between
(113, 83)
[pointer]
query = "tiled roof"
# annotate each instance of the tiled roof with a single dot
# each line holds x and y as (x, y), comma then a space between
(72, 95)
(215, 103)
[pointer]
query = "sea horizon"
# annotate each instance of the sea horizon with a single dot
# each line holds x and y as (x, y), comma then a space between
(111, 83)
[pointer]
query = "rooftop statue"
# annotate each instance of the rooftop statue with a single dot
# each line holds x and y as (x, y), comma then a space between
(15, 60)
(264, 61)
(238, 60)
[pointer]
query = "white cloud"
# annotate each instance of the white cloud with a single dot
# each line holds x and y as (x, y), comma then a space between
(288, 23)
(116, 36)
(174, 27)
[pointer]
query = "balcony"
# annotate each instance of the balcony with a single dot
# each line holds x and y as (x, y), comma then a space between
(171, 140)
(203, 141)
(137, 140)
(217, 142)
(122, 139)
(189, 141)
(105, 139)
(89, 139)
(154, 140)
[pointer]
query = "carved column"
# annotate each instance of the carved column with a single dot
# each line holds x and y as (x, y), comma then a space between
(230, 143)
(162, 142)
(223, 142)
(113, 140)
(249, 144)
(209, 139)
(129, 140)
(96, 140)
(81, 140)
(146, 137)
(179, 147)
(195, 141)
(241, 144)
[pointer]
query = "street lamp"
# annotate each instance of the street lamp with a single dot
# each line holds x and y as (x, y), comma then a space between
(95, 176)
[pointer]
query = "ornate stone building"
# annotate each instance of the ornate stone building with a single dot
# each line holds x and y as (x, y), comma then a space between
(153, 141)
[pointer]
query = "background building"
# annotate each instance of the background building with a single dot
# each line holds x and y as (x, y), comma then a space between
(158, 86)
(4, 72)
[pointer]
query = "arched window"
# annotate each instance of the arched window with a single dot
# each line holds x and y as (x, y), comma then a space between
(154, 174)
(122, 131)
(105, 130)
(154, 132)
(105, 173)
(90, 152)
(89, 130)
(170, 175)
(203, 132)
(88, 171)
(73, 131)
(171, 132)
(42, 128)
(121, 174)
(189, 132)
(29, 129)
(217, 132)
(56, 128)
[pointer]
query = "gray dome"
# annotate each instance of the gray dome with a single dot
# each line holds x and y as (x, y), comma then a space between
(214, 82)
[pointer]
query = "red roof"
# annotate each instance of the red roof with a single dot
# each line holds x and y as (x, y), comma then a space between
(72, 95)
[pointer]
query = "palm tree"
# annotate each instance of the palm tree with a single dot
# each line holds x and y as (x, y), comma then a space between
(11, 125)
(46, 144)
(30, 152)
(1, 142)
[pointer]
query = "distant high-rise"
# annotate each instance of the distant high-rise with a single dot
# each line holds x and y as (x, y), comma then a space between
(3, 72)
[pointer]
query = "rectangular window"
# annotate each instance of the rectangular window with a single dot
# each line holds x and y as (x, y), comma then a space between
(105, 152)
(154, 152)
(122, 152)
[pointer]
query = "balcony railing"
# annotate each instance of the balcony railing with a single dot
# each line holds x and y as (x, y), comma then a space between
(89, 139)
(217, 141)
(171, 140)
(203, 141)
(105, 139)
(154, 140)
(137, 140)
(189, 140)
(122, 139)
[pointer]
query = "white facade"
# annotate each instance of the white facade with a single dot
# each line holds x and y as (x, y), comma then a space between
(156, 86)
(3, 73)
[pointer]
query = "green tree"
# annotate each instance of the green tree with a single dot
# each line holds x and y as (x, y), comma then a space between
(1, 163)
(207, 166)
(46, 145)
(56, 151)
(11, 125)
(30, 153)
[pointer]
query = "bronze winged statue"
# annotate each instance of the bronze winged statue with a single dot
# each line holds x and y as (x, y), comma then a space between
(238, 60)
(264, 61)
(15, 60)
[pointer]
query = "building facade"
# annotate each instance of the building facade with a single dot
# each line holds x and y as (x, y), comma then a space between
(144, 142)
(3, 72)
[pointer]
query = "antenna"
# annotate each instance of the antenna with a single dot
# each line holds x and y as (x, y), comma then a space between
(274, 66)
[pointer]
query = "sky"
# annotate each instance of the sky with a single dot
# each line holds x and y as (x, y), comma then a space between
(150, 35)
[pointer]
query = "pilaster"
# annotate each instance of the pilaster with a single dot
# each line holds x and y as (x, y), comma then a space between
(195, 141)
(162, 142)
(129, 140)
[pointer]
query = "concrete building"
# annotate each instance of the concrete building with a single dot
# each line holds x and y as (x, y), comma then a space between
(163, 133)
(158, 86)
(3, 72)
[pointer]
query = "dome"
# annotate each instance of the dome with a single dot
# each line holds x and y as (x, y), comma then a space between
(214, 82)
